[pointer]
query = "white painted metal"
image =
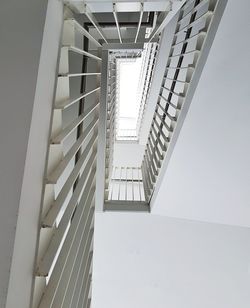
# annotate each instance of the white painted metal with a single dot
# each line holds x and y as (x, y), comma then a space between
(53, 177)
(124, 46)
(100, 182)
(117, 23)
(68, 102)
(79, 74)
(80, 51)
(161, 62)
(139, 23)
(93, 20)
(174, 9)
(82, 188)
(67, 222)
(129, 206)
(80, 232)
(86, 160)
(147, 72)
(83, 31)
(72, 126)
(65, 244)
(106, 6)
(126, 185)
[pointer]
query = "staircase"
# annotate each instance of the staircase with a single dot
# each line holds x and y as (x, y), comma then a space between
(80, 175)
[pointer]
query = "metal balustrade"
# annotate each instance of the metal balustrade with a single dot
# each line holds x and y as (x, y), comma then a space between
(111, 120)
(126, 184)
(193, 25)
(127, 134)
(146, 75)
(64, 261)
(126, 191)
(123, 194)
(65, 248)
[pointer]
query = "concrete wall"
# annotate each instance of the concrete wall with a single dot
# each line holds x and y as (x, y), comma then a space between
(143, 260)
(29, 45)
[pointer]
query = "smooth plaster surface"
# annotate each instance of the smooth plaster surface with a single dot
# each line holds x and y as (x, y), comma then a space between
(208, 177)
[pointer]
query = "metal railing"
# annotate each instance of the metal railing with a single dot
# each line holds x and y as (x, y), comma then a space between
(126, 184)
(146, 75)
(111, 120)
(65, 247)
(127, 135)
(123, 192)
(191, 31)
(64, 258)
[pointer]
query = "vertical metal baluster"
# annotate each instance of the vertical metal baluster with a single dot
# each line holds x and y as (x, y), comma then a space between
(117, 23)
(139, 182)
(112, 184)
(133, 194)
(117, 184)
(139, 24)
(126, 187)
(120, 183)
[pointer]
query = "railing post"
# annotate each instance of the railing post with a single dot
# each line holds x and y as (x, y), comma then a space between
(101, 150)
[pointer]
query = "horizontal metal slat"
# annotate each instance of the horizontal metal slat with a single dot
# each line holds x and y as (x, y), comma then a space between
(72, 126)
(169, 103)
(173, 92)
(86, 291)
(51, 216)
(81, 276)
(57, 172)
(200, 34)
(78, 74)
(149, 168)
(50, 254)
(68, 102)
(152, 159)
(157, 142)
(176, 80)
(73, 238)
(195, 9)
(83, 31)
(195, 51)
(157, 139)
(169, 129)
(154, 149)
(80, 51)
(160, 132)
(180, 68)
(196, 21)
(145, 181)
(64, 292)
(166, 113)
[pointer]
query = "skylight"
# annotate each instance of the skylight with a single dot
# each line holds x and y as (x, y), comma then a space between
(128, 100)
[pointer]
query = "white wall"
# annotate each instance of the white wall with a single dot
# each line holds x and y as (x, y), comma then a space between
(208, 177)
(128, 154)
(148, 261)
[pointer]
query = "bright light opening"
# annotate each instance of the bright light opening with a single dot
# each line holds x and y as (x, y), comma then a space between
(128, 98)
